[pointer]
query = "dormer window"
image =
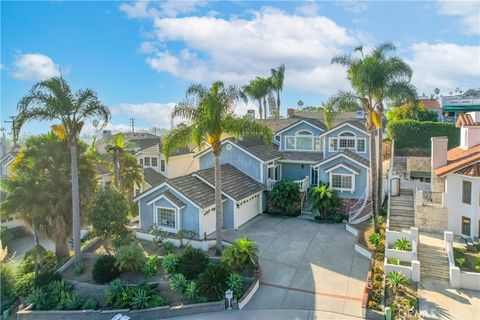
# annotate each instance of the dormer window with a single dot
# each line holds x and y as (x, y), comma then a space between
(303, 141)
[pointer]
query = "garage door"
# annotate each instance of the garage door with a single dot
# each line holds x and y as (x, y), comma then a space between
(249, 208)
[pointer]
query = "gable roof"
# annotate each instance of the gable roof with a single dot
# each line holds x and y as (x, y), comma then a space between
(194, 189)
(170, 196)
(258, 148)
(154, 144)
(279, 125)
(458, 158)
(304, 156)
(152, 177)
(472, 170)
(348, 154)
(351, 123)
(235, 183)
(342, 164)
(466, 120)
(313, 122)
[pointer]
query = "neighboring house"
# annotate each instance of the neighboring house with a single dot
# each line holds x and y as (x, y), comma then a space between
(188, 202)
(339, 117)
(103, 174)
(453, 106)
(11, 222)
(431, 105)
(5, 162)
(456, 180)
(149, 154)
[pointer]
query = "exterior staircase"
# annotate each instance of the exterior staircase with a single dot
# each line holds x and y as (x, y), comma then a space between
(433, 262)
(307, 210)
(402, 211)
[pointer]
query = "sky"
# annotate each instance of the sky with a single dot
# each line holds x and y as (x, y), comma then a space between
(141, 56)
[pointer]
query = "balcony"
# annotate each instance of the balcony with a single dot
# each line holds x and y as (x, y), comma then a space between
(303, 184)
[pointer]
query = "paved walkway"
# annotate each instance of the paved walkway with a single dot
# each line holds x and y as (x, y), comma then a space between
(21, 245)
(267, 314)
(306, 265)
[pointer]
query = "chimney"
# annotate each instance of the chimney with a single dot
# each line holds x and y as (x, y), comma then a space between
(290, 112)
(439, 152)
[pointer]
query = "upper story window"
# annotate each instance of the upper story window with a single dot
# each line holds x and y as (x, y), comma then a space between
(154, 162)
(146, 161)
(303, 140)
(162, 165)
(141, 162)
(467, 192)
(347, 140)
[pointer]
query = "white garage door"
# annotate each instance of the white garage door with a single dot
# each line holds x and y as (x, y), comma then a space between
(249, 208)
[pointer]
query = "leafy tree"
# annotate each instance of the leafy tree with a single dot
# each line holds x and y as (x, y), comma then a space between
(276, 80)
(38, 189)
(130, 258)
(285, 196)
(117, 148)
(52, 100)
(376, 79)
(210, 112)
(411, 111)
(131, 173)
(108, 214)
(325, 200)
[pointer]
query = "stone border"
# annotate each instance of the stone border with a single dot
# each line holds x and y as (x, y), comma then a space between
(359, 247)
(242, 302)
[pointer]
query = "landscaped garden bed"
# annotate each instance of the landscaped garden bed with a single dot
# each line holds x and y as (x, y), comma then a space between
(467, 260)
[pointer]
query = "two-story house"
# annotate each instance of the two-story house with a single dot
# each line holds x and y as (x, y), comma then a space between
(454, 201)
(302, 150)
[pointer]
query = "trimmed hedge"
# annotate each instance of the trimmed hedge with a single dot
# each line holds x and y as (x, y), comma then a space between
(417, 134)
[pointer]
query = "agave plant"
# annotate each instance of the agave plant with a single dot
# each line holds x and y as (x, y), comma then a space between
(395, 279)
(178, 283)
(402, 244)
(375, 239)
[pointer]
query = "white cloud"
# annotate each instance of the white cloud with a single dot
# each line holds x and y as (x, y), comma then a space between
(34, 66)
(147, 47)
(237, 49)
(147, 9)
(444, 66)
(310, 8)
(466, 11)
(354, 6)
(154, 114)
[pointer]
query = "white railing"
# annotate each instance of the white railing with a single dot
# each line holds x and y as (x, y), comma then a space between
(303, 184)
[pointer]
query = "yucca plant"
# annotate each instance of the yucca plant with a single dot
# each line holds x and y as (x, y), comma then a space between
(178, 283)
(170, 263)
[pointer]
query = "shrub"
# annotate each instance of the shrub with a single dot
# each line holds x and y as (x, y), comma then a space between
(402, 244)
(392, 261)
(168, 246)
(38, 299)
(78, 269)
(109, 213)
(140, 299)
(55, 288)
(416, 134)
(46, 260)
(192, 292)
(105, 269)
(327, 202)
(373, 305)
(130, 257)
(24, 284)
(6, 236)
(120, 241)
(45, 277)
(395, 279)
(7, 282)
(90, 304)
(186, 234)
(338, 218)
(170, 263)
(285, 198)
(477, 264)
(379, 256)
(240, 255)
(178, 283)
(113, 292)
(192, 262)
(235, 283)
(151, 266)
(460, 261)
(70, 301)
(375, 239)
(213, 282)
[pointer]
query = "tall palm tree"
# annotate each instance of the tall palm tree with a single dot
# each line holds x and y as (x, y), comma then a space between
(53, 100)
(258, 89)
(277, 77)
(117, 148)
(131, 173)
(375, 79)
(210, 112)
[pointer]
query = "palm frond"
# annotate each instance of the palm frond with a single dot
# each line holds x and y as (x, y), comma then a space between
(246, 127)
(345, 101)
(343, 60)
(177, 138)
(184, 110)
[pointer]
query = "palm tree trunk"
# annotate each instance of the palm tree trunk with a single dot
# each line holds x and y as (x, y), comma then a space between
(61, 248)
(260, 108)
(37, 244)
(218, 205)
(380, 169)
(75, 205)
(278, 105)
(265, 107)
(374, 179)
(116, 168)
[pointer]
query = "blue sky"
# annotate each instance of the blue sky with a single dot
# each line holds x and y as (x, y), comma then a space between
(141, 56)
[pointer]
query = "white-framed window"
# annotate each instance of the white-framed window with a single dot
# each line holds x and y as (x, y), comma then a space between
(166, 218)
(146, 160)
(303, 141)
(332, 144)
(342, 181)
(141, 162)
(154, 161)
(361, 145)
(162, 165)
(346, 140)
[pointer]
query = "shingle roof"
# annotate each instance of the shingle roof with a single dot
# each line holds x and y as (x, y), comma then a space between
(170, 196)
(430, 104)
(277, 125)
(235, 183)
(343, 163)
(356, 123)
(349, 154)
(458, 158)
(258, 148)
(339, 118)
(155, 143)
(302, 156)
(472, 170)
(153, 177)
(194, 189)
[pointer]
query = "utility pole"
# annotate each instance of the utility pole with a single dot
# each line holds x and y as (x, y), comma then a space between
(12, 121)
(132, 124)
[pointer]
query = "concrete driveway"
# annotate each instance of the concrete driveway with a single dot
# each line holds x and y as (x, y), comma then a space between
(306, 265)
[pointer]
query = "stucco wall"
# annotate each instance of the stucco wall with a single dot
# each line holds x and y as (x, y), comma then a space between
(236, 157)
(431, 218)
(181, 165)
(359, 134)
(422, 164)
(457, 209)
